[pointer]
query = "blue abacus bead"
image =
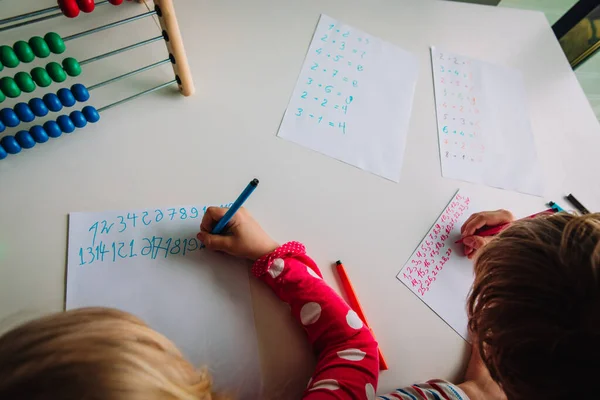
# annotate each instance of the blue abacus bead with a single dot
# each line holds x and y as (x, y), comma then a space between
(3, 153)
(52, 129)
(38, 107)
(65, 123)
(24, 139)
(10, 144)
(91, 114)
(24, 112)
(80, 92)
(2, 127)
(66, 97)
(78, 119)
(9, 117)
(52, 102)
(38, 134)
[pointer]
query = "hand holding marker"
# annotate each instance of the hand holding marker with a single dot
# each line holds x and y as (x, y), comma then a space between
(218, 229)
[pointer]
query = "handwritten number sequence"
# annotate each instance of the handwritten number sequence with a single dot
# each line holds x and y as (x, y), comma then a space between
(459, 106)
(346, 63)
(431, 256)
(132, 220)
(150, 247)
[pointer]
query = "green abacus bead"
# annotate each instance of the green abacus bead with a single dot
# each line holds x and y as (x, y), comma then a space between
(41, 77)
(57, 73)
(55, 42)
(2, 96)
(24, 52)
(25, 82)
(9, 87)
(1, 65)
(39, 47)
(8, 56)
(71, 66)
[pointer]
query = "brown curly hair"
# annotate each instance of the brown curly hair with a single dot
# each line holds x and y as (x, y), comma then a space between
(93, 354)
(535, 307)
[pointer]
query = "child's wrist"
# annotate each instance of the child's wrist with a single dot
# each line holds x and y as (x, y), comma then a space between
(262, 264)
(265, 250)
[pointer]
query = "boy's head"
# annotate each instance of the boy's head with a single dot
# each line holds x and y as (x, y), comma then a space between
(535, 307)
(95, 353)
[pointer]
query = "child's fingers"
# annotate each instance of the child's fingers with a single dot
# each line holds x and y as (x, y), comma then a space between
(211, 217)
(476, 242)
(216, 242)
(470, 227)
(462, 228)
(487, 218)
(468, 250)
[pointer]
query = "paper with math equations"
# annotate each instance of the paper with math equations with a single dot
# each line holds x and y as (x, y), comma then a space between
(438, 272)
(483, 124)
(353, 99)
(149, 263)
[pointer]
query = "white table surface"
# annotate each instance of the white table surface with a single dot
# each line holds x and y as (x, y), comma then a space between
(164, 149)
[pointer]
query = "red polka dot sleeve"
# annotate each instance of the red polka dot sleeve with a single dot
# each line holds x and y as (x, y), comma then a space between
(347, 360)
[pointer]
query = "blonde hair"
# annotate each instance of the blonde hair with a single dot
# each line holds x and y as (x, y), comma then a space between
(96, 353)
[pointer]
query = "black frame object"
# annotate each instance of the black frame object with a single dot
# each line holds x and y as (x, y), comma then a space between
(578, 31)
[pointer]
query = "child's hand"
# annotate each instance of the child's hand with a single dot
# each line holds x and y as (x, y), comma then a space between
(244, 237)
(472, 242)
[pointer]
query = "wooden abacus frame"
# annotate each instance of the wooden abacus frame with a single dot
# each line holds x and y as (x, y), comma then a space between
(165, 11)
(39, 107)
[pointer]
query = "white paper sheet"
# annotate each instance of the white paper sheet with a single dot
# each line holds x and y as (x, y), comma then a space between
(353, 99)
(438, 272)
(483, 124)
(148, 262)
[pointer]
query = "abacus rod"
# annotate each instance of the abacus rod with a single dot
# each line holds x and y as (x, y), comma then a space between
(33, 21)
(137, 71)
(135, 96)
(37, 13)
(108, 26)
(121, 50)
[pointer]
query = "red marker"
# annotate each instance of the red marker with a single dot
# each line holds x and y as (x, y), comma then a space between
(494, 230)
(355, 305)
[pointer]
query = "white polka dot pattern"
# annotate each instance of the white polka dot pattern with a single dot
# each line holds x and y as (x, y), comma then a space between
(352, 354)
(329, 384)
(370, 391)
(310, 313)
(312, 273)
(353, 320)
(289, 249)
(276, 267)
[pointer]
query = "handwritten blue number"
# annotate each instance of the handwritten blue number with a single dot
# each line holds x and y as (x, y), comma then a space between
(122, 222)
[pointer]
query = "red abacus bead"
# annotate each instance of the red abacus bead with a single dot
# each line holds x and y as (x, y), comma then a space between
(87, 6)
(115, 2)
(69, 8)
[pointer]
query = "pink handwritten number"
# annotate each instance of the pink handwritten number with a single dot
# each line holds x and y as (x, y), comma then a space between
(434, 252)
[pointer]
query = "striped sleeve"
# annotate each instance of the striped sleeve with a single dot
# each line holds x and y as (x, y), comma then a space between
(435, 389)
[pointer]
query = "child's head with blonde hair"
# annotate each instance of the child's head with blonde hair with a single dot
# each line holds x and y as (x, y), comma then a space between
(96, 353)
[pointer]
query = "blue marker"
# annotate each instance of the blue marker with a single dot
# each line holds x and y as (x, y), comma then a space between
(234, 207)
(555, 206)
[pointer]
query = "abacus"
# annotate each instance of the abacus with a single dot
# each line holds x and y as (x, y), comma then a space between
(23, 52)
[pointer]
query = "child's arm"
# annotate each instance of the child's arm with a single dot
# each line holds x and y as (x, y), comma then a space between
(347, 364)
